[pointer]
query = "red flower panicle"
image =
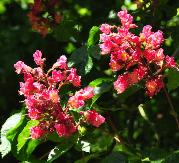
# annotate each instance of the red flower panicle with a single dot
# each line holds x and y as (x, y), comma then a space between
(141, 54)
(41, 91)
(41, 23)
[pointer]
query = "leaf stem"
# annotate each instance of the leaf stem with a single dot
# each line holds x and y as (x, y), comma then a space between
(173, 112)
(115, 130)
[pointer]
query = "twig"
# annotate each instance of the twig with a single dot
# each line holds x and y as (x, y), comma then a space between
(173, 112)
(44, 155)
(116, 135)
(175, 52)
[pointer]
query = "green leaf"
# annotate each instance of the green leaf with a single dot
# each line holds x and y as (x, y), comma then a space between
(25, 134)
(142, 112)
(101, 86)
(32, 144)
(94, 51)
(81, 60)
(99, 141)
(129, 92)
(99, 81)
(173, 157)
(54, 137)
(65, 31)
(61, 148)
(132, 154)
(87, 158)
(114, 157)
(83, 146)
(93, 36)
(8, 132)
(173, 79)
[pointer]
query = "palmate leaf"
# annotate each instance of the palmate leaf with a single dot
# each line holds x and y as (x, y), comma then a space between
(62, 148)
(25, 134)
(9, 131)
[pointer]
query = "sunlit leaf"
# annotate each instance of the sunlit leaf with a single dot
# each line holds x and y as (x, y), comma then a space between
(8, 132)
(93, 36)
(25, 134)
(61, 148)
(81, 60)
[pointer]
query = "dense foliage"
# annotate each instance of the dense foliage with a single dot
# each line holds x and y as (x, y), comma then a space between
(105, 88)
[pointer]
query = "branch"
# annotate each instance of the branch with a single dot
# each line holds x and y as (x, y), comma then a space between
(173, 112)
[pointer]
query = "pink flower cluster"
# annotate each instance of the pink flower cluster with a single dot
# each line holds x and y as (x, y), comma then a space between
(41, 91)
(140, 57)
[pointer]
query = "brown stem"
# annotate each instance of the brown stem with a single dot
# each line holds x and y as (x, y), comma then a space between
(60, 85)
(44, 155)
(49, 71)
(116, 135)
(173, 112)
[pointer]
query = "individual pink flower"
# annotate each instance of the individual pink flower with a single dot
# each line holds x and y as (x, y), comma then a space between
(159, 56)
(38, 72)
(87, 92)
(38, 58)
(169, 62)
(115, 64)
(93, 118)
(65, 129)
(76, 101)
(80, 96)
(106, 47)
(153, 86)
(53, 95)
(57, 76)
(34, 113)
(21, 67)
(146, 32)
(37, 132)
(61, 63)
(126, 19)
(74, 78)
(121, 84)
(27, 88)
(105, 28)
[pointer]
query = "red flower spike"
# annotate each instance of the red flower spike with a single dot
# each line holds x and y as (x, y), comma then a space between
(41, 91)
(40, 23)
(128, 51)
